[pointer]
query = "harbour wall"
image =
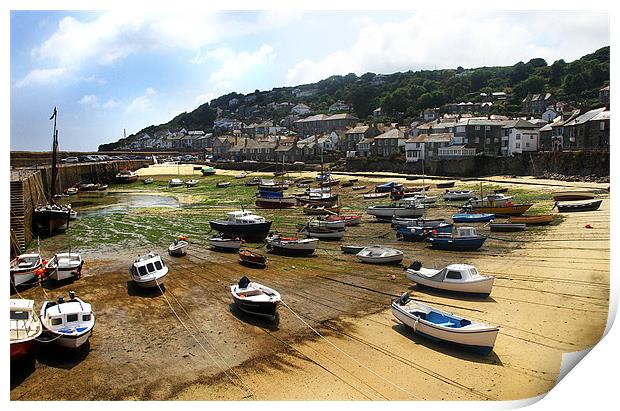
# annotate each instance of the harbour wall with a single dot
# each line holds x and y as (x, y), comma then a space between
(577, 163)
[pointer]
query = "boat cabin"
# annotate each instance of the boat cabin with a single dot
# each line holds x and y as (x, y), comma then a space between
(457, 273)
(62, 314)
(464, 232)
(147, 265)
(244, 217)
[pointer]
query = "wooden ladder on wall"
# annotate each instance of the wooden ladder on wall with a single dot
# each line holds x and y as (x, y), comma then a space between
(18, 234)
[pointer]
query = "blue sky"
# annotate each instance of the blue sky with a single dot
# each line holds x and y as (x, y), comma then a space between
(106, 71)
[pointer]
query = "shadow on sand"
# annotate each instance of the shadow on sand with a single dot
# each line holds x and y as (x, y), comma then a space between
(135, 290)
(256, 320)
(56, 356)
(22, 369)
(452, 294)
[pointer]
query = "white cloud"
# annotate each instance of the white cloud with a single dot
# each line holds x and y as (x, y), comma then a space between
(111, 103)
(235, 65)
(431, 39)
(89, 100)
(43, 76)
(142, 103)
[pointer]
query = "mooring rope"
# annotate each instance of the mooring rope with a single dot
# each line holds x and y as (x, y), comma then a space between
(198, 341)
(349, 356)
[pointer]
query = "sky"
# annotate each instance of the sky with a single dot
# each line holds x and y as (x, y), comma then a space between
(127, 69)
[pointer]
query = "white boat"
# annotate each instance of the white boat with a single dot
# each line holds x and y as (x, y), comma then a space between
(457, 195)
(420, 199)
(241, 175)
(72, 214)
(440, 325)
(243, 224)
(323, 233)
(396, 210)
(175, 182)
(64, 265)
(148, 270)
(72, 191)
(24, 268)
(322, 222)
(351, 248)
(492, 200)
(291, 245)
(24, 326)
(377, 254)
(223, 243)
(255, 298)
(70, 322)
(191, 183)
(462, 278)
(178, 248)
(148, 180)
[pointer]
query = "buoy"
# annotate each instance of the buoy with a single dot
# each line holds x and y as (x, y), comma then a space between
(588, 226)
(293, 267)
(393, 277)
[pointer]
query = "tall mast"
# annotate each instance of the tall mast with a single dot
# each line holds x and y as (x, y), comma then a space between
(54, 158)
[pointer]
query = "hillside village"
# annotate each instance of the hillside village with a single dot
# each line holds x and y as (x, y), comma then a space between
(451, 131)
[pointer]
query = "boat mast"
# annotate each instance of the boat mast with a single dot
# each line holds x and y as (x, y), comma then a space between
(54, 158)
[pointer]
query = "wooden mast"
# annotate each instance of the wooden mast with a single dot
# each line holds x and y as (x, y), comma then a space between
(54, 159)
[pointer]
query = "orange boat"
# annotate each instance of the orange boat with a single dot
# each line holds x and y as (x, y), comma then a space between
(533, 219)
(507, 209)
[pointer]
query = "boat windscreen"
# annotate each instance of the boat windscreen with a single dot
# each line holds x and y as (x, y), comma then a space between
(72, 318)
(158, 265)
(150, 267)
(19, 315)
(142, 270)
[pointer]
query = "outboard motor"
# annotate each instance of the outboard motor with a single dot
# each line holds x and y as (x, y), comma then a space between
(244, 282)
(403, 299)
(416, 265)
(71, 295)
(61, 300)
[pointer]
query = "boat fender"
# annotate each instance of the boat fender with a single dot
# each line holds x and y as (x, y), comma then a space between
(416, 265)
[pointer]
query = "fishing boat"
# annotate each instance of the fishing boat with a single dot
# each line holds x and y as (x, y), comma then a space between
(420, 199)
(320, 221)
(253, 182)
(351, 248)
(24, 327)
(274, 202)
(358, 188)
(464, 239)
(416, 222)
(390, 211)
(377, 254)
(346, 184)
(491, 200)
(315, 209)
(439, 325)
(291, 245)
(575, 206)
(243, 224)
(126, 176)
(323, 233)
(507, 226)
(506, 210)
(72, 191)
(148, 270)
(178, 248)
(372, 196)
(88, 187)
(241, 175)
(101, 187)
(223, 184)
(191, 183)
(449, 184)
(252, 258)
(413, 233)
(532, 219)
(330, 182)
(574, 195)
(387, 187)
(272, 185)
(472, 218)
(225, 243)
(255, 298)
(408, 189)
(175, 182)
(458, 195)
(70, 323)
(463, 278)
(325, 199)
(26, 269)
(207, 171)
(148, 180)
(64, 265)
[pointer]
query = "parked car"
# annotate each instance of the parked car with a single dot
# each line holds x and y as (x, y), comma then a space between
(70, 160)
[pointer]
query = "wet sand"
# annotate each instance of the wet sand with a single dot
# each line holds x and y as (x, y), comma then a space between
(550, 297)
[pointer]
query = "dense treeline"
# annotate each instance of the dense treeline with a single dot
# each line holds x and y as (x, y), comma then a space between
(402, 96)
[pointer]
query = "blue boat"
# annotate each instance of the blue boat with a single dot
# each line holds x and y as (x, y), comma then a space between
(420, 233)
(466, 239)
(270, 194)
(472, 218)
(384, 188)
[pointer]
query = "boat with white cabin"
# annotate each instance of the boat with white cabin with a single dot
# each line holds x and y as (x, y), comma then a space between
(148, 270)
(463, 278)
(70, 322)
(243, 224)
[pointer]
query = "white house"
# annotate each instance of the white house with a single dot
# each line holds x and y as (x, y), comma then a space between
(338, 106)
(426, 146)
(549, 114)
(301, 109)
(519, 136)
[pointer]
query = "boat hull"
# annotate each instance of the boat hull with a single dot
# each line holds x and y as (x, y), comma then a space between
(249, 232)
(572, 196)
(284, 250)
(225, 245)
(482, 287)
(71, 341)
(478, 340)
(587, 206)
(456, 244)
(472, 218)
(50, 220)
(155, 282)
(389, 213)
(508, 227)
(516, 209)
(267, 309)
(393, 259)
(22, 349)
(284, 202)
(60, 274)
(533, 220)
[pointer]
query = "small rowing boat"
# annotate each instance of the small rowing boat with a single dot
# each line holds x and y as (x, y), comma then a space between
(315, 209)
(458, 195)
(445, 185)
(574, 195)
(532, 219)
(252, 258)
(24, 327)
(464, 239)
(223, 184)
(225, 243)
(175, 182)
(323, 233)
(352, 249)
(291, 245)
(148, 180)
(191, 183)
(178, 248)
(372, 196)
(357, 188)
(254, 298)
(64, 265)
(377, 254)
(472, 218)
(573, 206)
(507, 226)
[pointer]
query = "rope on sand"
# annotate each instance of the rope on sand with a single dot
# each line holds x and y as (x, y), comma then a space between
(349, 356)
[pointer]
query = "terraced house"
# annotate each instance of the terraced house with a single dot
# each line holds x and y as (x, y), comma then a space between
(389, 143)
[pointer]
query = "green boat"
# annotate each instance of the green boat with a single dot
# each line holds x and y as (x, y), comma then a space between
(208, 171)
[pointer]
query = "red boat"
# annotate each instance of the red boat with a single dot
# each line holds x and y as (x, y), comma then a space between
(252, 258)
(275, 202)
(24, 326)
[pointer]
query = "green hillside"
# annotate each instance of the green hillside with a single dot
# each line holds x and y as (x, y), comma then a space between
(403, 95)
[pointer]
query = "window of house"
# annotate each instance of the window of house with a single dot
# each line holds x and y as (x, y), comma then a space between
(496, 140)
(601, 125)
(518, 145)
(477, 140)
(487, 128)
(477, 127)
(527, 144)
(487, 140)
